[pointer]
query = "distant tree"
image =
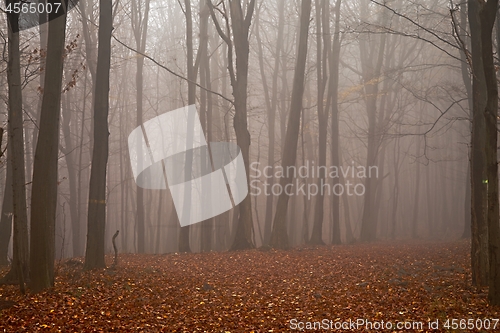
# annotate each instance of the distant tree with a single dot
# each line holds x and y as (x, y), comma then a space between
(271, 106)
(191, 76)
(334, 61)
(94, 254)
(140, 19)
(279, 236)
(371, 50)
(44, 188)
(323, 51)
(5, 218)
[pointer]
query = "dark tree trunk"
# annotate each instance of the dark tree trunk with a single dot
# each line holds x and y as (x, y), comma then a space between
(72, 177)
(279, 236)
(479, 245)
(140, 26)
(464, 67)
(240, 24)
(94, 254)
(372, 56)
(206, 226)
(241, 29)
(487, 15)
(44, 188)
(19, 269)
(271, 106)
(323, 35)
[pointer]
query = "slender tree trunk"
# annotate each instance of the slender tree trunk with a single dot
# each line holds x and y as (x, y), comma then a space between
(68, 151)
(6, 218)
(140, 27)
(191, 73)
(271, 106)
(279, 237)
(335, 135)
(207, 226)
(94, 254)
(323, 34)
(371, 63)
(464, 66)
(44, 188)
(19, 270)
(414, 223)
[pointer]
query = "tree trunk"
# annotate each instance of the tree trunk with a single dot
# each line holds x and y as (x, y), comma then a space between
(271, 105)
(279, 237)
(323, 32)
(140, 33)
(335, 135)
(371, 64)
(72, 178)
(44, 188)
(205, 110)
(479, 183)
(414, 223)
(487, 15)
(19, 270)
(240, 25)
(6, 218)
(94, 254)
(464, 67)
(241, 28)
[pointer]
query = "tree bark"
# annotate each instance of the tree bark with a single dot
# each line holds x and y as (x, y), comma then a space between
(479, 245)
(19, 270)
(140, 26)
(271, 106)
(44, 188)
(94, 254)
(371, 63)
(323, 35)
(487, 16)
(6, 219)
(279, 236)
(240, 24)
(335, 135)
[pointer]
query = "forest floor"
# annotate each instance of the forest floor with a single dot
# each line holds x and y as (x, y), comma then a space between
(349, 287)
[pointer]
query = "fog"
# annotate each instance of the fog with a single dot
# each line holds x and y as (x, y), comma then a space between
(401, 108)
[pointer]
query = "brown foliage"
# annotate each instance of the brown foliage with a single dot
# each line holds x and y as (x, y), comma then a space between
(255, 290)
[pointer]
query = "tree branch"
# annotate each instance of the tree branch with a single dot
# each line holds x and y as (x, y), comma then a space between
(171, 71)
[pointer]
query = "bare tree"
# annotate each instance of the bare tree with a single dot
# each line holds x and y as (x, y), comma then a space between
(271, 106)
(479, 178)
(482, 17)
(279, 236)
(334, 61)
(140, 28)
(371, 50)
(240, 24)
(94, 254)
(44, 189)
(19, 269)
